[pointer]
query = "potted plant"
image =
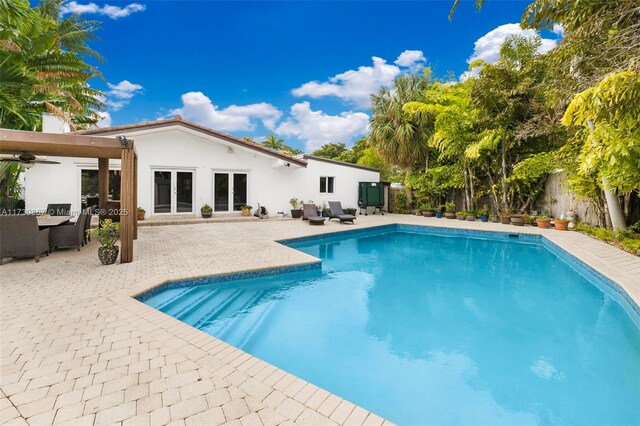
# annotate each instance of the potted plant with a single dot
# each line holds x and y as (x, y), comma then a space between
(141, 213)
(450, 210)
(518, 219)
(461, 215)
(505, 217)
(561, 224)
(296, 208)
(107, 234)
(206, 211)
(470, 216)
(350, 210)
(246, 210)
(483, 212)
(543, 221)
(417, 212)
(427, 210)
(494, 218)
(326, 211)
(439, 211)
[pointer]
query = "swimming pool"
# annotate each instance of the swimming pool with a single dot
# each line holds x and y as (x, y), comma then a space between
(433, 326)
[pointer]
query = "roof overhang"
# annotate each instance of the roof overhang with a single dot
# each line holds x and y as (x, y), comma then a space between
(254, 146)
(60, 144)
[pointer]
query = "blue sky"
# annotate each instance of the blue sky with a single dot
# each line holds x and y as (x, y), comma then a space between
(301, 70)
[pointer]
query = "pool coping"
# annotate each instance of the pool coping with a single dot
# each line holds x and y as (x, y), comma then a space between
(224, 357)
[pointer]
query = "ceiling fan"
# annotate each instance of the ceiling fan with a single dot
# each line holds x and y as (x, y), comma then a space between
(27, 158)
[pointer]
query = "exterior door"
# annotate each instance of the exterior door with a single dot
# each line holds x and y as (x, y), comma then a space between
(172, 191)
(229, 191)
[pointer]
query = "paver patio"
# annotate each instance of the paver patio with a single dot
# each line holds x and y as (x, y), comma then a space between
(77, 349)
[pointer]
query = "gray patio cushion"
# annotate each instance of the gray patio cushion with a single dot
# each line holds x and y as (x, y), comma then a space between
(20, 237)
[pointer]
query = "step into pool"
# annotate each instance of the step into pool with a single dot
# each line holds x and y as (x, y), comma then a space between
(427, 326)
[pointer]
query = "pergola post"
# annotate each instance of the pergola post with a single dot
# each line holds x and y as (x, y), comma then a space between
(135, 195)
(103, 186)
(127, 203)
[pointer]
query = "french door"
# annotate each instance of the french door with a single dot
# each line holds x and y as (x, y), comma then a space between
(173, 191)
(229, 191)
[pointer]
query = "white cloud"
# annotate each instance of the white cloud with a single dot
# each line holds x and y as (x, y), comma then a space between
(317, 128)
(196, 106)
(121, 94)
(558, 29)
(411, 59)
(104, 120)
(356, 86)
(113, 12)
(487, 47)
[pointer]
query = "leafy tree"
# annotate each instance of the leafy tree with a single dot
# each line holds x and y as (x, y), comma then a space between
(43, 67)
(508, 96)
(330, 150)
(354, 154)
(608, 114)
(400, 139)
(276, 144)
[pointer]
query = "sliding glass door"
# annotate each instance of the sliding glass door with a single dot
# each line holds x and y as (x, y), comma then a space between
(173, 191)
(229, 191)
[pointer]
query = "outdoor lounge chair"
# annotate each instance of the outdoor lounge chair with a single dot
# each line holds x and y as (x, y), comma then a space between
(311, 214)
(337, 213)
(71, 235)
(20, 237)
(59, 209)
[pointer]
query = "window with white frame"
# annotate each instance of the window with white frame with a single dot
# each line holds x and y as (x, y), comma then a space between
(327, 184)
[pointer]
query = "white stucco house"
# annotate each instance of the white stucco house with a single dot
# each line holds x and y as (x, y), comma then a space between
(182, 165)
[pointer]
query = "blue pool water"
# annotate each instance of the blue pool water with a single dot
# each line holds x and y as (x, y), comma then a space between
(432, 329)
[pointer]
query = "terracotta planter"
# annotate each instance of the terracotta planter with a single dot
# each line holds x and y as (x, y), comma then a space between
(450, 215)
(506, 220)
(296, 213)
(140, 215)
(517, 220)
(543, 223)
(246, 212)
(561, 224)
(417, 212)
(428, 213)
(495, 219)
(460, 216)
(206, 213)
(108, 255)
(471, 217)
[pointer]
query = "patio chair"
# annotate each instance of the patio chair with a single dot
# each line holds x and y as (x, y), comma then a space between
(71, 235)
(59, 209)
(20, 237)
(337, 213)
(311, 214)
(87, 224)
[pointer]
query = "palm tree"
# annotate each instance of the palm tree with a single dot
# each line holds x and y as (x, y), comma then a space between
(273, 142)
(42, 66)
(401, 139)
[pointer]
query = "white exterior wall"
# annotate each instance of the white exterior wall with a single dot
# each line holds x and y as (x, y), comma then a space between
(269, 182)
(345, 183)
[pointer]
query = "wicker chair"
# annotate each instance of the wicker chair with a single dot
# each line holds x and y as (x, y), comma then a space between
(71, 235)
(59, 209)
(337, 213)
(311, 214)
(20, 237)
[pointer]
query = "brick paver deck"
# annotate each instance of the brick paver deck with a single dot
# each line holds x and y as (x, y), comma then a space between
(77, 349)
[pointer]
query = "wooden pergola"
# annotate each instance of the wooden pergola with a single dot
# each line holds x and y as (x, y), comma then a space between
(85, 146)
